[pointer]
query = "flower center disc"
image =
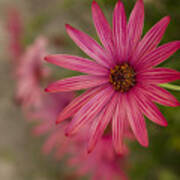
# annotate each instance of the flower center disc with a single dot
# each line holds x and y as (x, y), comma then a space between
(122, 77)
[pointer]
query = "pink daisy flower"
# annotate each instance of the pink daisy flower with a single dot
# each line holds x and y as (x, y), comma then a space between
(122, 81)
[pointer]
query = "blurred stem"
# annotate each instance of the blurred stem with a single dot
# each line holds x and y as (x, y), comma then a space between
(171, 86)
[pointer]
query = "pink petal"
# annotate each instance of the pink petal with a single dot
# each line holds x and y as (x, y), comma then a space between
(88, 45)
(135, 25)
(89, 111)
(159, 75)
(77, 103)
(136, 120)
(119, 30)
(150, 109)
(161, 96)
(159, 55)
(152, 38)
(119, 125)
(76, 83)
(102, 27)
(50, 143)
(76, 63)
(101, 122)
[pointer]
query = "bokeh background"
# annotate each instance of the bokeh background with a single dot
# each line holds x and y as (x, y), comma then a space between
(20, 152)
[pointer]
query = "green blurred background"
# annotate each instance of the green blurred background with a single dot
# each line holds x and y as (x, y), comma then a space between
(20, 153)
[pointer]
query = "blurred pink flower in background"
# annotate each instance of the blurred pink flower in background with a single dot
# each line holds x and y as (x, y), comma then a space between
(28, 66)
(122, 83)
(122, 86)
(15, 32)
(103, 163)
(30, 73)
(45, 116)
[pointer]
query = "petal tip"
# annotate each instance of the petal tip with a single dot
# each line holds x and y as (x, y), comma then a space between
(90, 148)
(176, 103)
(119, 151)
(46, 58)
(89, 151)
(67, 134)
(94, 2)
(178, 44)
(57, 121)
(145, 144)
(94, 6)
(46, 90)
(165, 124)
(168, 19)
(140, 1)
(119, 2)
(68, 27)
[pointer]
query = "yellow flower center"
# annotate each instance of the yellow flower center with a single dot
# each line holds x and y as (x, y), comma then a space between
(122, 77)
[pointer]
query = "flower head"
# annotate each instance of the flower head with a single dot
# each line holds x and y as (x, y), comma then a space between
(29, 73)
(122, 81)
(103, 163)
(45, 116)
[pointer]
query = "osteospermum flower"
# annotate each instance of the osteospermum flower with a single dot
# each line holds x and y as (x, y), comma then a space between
(122, 81)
